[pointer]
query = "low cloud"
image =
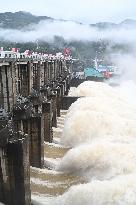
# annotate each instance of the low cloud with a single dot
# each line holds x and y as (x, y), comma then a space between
(46, 30)
(69, 30)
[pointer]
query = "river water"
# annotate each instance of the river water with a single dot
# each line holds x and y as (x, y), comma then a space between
(93, 158)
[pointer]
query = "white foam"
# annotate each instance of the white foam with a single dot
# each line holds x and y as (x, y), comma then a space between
(91, 88)
(118, 191)
(51, 163)
(101, 129)
(101, 160)
(101, 115)
(43, 200)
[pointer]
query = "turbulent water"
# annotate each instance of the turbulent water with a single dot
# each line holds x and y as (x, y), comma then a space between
(100, 130)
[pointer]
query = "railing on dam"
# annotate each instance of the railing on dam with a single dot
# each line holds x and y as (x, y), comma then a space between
(31, 93)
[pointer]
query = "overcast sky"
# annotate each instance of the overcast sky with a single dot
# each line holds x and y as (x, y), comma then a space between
(87, 11)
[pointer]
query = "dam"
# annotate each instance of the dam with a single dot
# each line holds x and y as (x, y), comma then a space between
(64, 145)
(31, 99)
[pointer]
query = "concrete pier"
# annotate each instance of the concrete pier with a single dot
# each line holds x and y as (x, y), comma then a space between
(47, 116)
(36, 136)
(66, 101)
(14, 168)
(7, 85)
(58, 100)
(31, 93)
(54, 108)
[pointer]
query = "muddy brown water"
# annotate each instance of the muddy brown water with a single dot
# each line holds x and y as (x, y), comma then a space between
(48, 181)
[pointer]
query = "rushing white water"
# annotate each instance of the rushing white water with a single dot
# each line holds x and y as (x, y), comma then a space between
(101, 160)
(103, 113)
(91, 88)
(100, 129)
(117, 191)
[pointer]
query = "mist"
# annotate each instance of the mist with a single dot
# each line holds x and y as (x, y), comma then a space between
(69, 30)
(119, 34)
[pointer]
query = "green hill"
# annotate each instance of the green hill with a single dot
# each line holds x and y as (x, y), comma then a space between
(19, 20)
